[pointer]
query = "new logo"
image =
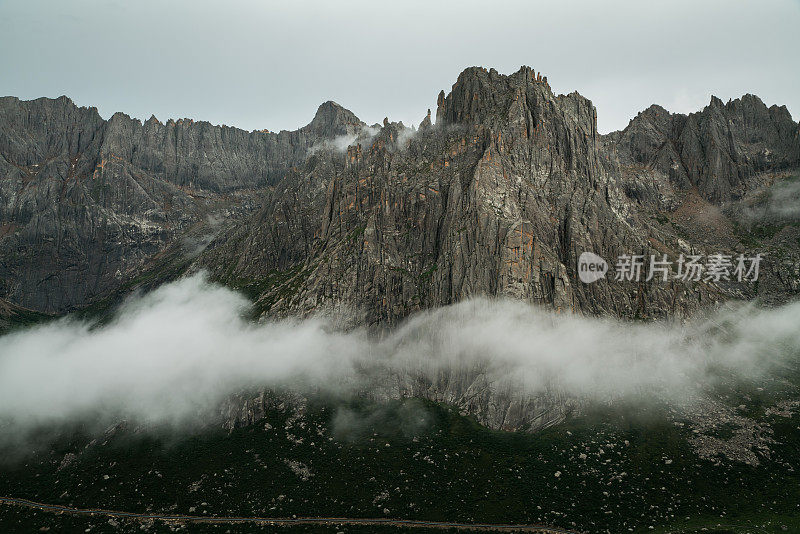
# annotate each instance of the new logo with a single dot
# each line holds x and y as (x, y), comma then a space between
(591, 267)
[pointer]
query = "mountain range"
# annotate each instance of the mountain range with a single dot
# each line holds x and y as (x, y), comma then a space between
(422, 387)
(499, 196)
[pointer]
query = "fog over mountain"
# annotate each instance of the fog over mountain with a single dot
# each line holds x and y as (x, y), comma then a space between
(171, 356)
(400, 266)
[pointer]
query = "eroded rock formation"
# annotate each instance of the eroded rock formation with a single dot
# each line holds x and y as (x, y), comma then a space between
(498, 197)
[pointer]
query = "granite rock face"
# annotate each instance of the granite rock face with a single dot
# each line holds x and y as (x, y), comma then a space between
(85, 202)
(498, 197)
(720, 150)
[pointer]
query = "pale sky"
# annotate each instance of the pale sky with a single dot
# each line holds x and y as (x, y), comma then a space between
(262, 64)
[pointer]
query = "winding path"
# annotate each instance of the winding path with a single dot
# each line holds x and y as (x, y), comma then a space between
(179, 518)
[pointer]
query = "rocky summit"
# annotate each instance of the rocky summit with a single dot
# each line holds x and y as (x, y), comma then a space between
(499, 197)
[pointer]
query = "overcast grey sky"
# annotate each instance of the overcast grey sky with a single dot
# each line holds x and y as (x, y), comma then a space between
(263, 64)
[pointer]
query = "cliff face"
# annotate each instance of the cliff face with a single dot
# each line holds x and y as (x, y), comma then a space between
(499, 197)
(85, 202)
(720, 150)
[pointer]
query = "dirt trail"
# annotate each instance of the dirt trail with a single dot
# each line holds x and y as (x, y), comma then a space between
(178, 518)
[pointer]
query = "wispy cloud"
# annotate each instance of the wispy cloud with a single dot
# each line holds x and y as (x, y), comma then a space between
(779, 203)
(173, 355)
(341, 142)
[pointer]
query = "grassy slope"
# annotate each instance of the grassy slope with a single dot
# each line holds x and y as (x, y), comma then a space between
(452, 469)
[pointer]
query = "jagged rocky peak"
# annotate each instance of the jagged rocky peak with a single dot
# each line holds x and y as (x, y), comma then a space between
(719, 149)
(749, 114)
(655, 115)
(426, 122)
(332, 119)
(748, 106)
(34, 130)
(481, 95)
(489, 99)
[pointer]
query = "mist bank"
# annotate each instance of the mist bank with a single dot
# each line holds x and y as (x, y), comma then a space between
(173, 355)
(780, 203)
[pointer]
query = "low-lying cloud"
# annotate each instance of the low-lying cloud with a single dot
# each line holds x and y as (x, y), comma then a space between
(341, 142)
(173, 355)
(779, 203)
